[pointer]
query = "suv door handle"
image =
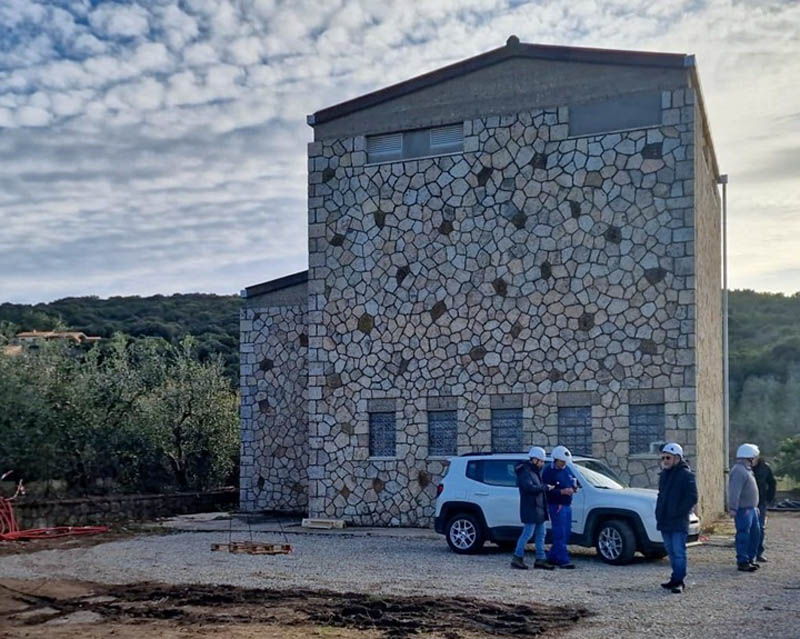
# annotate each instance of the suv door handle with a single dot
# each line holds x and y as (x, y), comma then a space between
(482, 494)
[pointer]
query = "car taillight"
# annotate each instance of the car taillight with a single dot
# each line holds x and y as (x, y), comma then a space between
(439, 489)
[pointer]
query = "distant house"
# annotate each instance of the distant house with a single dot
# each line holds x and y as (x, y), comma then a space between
(76, 336)
(520, 248)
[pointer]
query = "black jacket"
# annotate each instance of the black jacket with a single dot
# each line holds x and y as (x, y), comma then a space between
(532, 498)
(677, 495)
(766, 482)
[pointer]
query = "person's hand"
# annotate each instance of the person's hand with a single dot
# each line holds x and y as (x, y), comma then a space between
(550, 487)
(567, 491)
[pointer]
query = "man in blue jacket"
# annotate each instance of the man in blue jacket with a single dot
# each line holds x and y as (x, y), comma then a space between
(562, 484)
(532, 509)
(677, 495)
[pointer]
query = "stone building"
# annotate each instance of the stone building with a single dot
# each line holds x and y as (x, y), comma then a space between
(520, 248)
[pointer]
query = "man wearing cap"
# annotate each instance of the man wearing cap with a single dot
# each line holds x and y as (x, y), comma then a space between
(563, 483)
(677, 495)
(532, 509)
(743, 507)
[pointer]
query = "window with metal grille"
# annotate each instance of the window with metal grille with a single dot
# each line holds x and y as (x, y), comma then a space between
(382, 430)
(506, 430)
(575, 429)
(405, 145)
(442, 432)
(646, 426)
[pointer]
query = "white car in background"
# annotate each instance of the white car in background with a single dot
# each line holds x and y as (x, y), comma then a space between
(478, 501)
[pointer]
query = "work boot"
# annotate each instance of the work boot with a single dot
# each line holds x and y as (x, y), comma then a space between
(543, 564)
(745, 567)
(677, 588)
(754, 565)
(761, 559)
(668, 585)
(519, 563)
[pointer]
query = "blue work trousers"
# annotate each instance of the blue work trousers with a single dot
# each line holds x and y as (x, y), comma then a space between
(561, 522)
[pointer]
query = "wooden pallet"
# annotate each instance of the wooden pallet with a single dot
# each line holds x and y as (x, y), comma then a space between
(323, 523)
(253, 548)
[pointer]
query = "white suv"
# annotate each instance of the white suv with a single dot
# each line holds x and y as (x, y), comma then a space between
(478, 501)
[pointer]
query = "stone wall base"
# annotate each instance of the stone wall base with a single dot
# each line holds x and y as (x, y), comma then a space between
(120, 508)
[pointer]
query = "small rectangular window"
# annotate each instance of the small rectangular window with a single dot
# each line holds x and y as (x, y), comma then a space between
(646, 424)
(506, 430)
(442, 432)
(575, 429)
(382, 435)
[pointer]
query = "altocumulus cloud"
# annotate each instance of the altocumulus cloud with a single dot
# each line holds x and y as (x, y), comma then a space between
(159, 146)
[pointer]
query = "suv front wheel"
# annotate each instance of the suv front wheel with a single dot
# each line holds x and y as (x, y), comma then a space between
(615, 542)
(465, 534)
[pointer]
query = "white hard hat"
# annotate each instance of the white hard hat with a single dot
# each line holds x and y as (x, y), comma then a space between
(562, 453)
(747, 451)
(537, 452)
(673, 449)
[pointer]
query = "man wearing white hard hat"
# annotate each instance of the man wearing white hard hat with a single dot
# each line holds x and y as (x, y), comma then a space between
(677, 495)
(743, 507)
(559, 499)
(532, 509)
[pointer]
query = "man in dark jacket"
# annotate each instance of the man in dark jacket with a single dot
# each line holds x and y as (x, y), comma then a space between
(532, 509)
(677, 495)
(766, 495)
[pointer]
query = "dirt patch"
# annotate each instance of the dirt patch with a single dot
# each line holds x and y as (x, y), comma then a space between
(79, 541)
(39, 609)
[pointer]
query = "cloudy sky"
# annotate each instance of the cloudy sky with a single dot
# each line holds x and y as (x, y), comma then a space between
(158, 146)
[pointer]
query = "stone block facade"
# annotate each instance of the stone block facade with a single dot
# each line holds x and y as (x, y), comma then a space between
(274, 416)
(535, 272)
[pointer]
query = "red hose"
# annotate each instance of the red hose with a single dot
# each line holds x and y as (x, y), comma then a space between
(9, 530)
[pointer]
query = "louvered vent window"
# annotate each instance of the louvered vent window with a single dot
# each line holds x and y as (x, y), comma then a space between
(382, 148)
(447, 139)
(415, 144)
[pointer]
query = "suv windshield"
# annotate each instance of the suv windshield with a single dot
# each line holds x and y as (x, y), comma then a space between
(599, 475)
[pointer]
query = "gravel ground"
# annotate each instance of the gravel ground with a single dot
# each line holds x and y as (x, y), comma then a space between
(720, 602)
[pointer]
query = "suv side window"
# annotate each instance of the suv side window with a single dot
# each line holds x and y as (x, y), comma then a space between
(500, 472)
(495, 472)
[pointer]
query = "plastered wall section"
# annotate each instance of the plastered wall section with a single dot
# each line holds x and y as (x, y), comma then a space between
(534, 266)
(710, 427)
(274, 417)
(511, 86)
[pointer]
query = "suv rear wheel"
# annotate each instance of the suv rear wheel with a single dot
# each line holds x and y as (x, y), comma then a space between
(615, 542)
(465, 534)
